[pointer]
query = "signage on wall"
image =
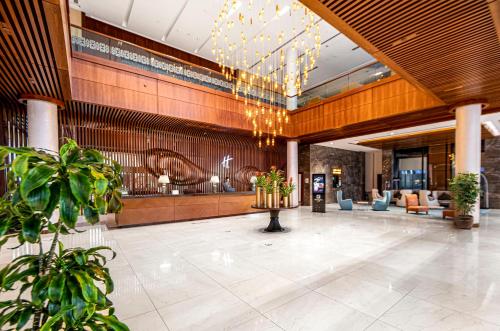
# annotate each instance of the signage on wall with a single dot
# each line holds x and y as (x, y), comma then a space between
(225, 161)
(148, 60)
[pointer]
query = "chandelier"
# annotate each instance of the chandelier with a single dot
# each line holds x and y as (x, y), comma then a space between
(267, 49)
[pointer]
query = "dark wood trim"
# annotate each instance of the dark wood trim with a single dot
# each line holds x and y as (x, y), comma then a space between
(25, 97)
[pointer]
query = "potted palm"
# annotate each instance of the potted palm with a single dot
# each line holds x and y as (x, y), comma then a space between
(57, 288)
(260, 184)
(465, 191)
(286, 189)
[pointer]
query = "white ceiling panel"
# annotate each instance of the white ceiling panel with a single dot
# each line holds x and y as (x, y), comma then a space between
(192, 22)
(153, 18)
(111, 11)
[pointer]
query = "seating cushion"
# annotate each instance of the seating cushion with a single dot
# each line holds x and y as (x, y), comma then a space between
(411, 200)
(419, 208)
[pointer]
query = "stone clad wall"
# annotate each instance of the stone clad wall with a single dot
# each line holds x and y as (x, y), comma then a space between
(490, 161)
(320, 159)
(304, 168)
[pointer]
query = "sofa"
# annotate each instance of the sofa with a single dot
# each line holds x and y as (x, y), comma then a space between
(428, 199)
(401, 200)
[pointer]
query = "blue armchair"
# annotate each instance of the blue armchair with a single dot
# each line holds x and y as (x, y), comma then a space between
(345, 204)
(382, 204)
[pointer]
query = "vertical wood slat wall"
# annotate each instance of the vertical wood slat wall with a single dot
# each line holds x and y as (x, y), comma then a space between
(13, 132)
(138, 140)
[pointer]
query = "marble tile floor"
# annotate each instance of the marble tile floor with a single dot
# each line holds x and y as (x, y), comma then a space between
(342, 270)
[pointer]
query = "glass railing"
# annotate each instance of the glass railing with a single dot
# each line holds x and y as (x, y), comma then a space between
(96, 44)
(362, 76)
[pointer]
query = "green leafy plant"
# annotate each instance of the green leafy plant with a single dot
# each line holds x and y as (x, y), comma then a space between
(287, 188)
(269, 185)
(465, 190)
(276, 176)
(57, 289)
(261, 181)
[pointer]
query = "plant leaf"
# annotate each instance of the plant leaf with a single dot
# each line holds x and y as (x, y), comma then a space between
(31, 228)
(89, 290)
(91, 214)
(36, 177)
(20, 165)
(39, 198)
(24, 317)
(101, 186)
(112, 322)
(80, 187)
(56, 287)
(68, 211)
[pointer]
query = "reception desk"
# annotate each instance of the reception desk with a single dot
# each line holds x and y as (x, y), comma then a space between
(176, 208)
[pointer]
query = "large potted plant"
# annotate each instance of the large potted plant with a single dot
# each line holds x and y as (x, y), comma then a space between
(59, 288)
(465, 191)
(287, 189)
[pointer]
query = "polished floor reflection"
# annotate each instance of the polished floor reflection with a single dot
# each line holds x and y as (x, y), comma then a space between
(359, 270)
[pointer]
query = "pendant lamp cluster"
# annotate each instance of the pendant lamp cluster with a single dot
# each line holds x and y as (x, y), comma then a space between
(267, 48)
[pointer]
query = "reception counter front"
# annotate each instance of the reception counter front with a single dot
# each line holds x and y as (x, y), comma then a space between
(175, 208)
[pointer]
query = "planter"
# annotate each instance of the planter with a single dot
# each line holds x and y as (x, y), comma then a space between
(258, 196)
(276, 197)
(269, 200)
(285, 202)
(464, 222)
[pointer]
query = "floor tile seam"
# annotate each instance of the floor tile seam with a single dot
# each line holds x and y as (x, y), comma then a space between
(454, 310)
(345, 305)
(232, 293)
(144, 289)
(154, 310)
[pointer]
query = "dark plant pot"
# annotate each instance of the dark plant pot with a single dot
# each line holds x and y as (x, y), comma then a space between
(464, 222)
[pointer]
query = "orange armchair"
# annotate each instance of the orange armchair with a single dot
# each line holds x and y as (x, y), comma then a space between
(412, 204)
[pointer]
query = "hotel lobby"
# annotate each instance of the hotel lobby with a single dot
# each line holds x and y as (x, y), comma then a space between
(249, 165)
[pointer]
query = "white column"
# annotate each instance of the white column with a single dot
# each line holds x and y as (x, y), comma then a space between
(468, 144)
(43, 130)
(291, 70)
(292, 168)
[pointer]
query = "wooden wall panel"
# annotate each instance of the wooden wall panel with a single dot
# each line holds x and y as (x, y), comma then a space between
(389, 97)
(107, 83)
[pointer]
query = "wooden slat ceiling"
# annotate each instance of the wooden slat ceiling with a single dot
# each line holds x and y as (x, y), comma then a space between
(33, 56)
(417, 139)
(447, 47)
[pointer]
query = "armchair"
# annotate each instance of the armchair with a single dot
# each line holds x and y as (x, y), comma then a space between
(345, 204)
(412, 204)
(382, 204)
